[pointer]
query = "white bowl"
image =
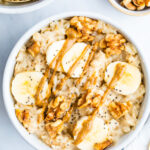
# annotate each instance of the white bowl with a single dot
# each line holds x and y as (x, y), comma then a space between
(9, 102)
(24, 8)
(116, 4)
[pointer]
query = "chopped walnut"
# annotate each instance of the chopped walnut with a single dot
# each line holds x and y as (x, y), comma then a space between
(90, 99)
(54, 128)
(135, 4)
(118, 109)
(34, 49)
(57, 108)
(85, 27)
(84, 24)
(103, 145)
(72, 33)
(23, 116)
(113, 44)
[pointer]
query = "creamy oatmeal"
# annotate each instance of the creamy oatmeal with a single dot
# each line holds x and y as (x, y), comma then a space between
(78, 84)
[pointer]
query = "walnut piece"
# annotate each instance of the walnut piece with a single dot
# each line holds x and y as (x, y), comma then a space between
(83, 24)
(90, 99)
(103, 145)
(57, 108)
(54, 128)
(135, 4)
(118, 109)
(23, 116)
(72, 33)
(59, 112)
(84, 27)
(112, 44)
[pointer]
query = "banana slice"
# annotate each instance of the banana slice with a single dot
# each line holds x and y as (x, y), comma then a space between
(24, 87)
(130, 80)
(97, 134)
(53, 51)
(72, 55)
(79, 69)
(69, 58)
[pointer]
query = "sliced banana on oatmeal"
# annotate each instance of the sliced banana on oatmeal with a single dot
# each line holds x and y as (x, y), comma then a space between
(130, 80)
(72, 55)
(69, 58)
(24, 87)
(98, 133)
(79, 69)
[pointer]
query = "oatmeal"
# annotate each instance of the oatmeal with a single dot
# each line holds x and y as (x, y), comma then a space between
(78, 84)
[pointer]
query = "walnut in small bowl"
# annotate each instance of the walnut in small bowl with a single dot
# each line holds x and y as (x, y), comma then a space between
(135, 4)
(132, 7)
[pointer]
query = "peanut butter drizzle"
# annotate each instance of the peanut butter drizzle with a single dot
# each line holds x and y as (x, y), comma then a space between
(119, 70)
(90, 57)
(39, 102)
(92, 80)
(67, 45)
(68, 115)
(71, 70)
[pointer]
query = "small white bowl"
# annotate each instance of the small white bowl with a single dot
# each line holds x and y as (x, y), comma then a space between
(9, 102)
(24, 7)
(116, 4)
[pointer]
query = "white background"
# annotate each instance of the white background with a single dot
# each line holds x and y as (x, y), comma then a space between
(12, 27)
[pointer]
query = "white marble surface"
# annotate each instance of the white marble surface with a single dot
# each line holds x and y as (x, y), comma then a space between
(13, 26)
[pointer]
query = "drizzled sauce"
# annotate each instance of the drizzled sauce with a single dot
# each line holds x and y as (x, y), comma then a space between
(90, 57)
(38, 101)
(67, 45)
(119, 70)
(92, 80)
(72, 68)
(58, 58)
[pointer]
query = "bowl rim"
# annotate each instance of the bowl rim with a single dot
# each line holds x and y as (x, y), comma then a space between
(128, 12)
(8, 71)
(25, 8)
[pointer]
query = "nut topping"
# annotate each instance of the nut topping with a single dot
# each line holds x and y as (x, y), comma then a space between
(57, 108)
(85, 27)
(90, 99)
(118, 109)
(135, 4)
(54, 128)
(112, 44)
(103, 145)
(23, 116)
